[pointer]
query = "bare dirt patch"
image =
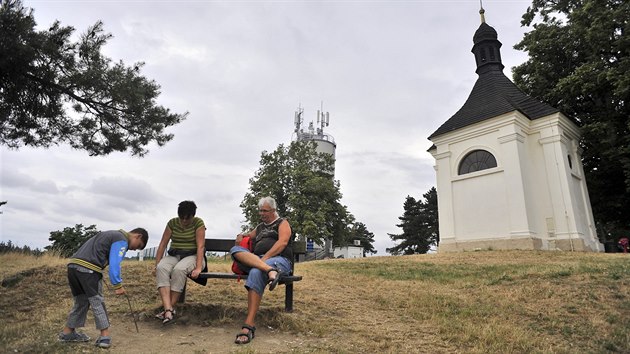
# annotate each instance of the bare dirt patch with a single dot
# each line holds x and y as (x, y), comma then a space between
(153, 337)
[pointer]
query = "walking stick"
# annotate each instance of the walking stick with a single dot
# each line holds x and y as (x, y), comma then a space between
(132, 313)
(130, 309)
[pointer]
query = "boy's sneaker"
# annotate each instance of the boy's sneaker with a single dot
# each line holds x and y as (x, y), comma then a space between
(103, 342)
(73, 336)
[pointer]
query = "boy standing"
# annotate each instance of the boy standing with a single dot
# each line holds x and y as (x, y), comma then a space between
(85, 278)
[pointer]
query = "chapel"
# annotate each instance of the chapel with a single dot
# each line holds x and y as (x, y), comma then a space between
(508, 167)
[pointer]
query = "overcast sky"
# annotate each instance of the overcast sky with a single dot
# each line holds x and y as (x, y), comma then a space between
(389, 72)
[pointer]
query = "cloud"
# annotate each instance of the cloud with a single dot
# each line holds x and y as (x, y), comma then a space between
(16, 179)
(124, 192)
(389, 73)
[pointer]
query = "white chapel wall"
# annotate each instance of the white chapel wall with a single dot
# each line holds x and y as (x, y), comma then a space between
(533, 195)
(479, 206)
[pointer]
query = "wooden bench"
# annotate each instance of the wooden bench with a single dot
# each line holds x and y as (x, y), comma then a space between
(224, 245)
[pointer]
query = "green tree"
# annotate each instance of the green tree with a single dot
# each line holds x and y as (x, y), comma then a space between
(56, 91)
(360, 232)
(579, 60)
(69, 240)
(419, 224)
(306, 195)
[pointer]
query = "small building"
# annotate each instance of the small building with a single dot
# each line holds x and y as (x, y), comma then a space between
(509, 171)
(348, 252)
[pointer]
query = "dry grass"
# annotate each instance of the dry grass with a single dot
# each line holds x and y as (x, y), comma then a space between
(479, 302)
(15, 262)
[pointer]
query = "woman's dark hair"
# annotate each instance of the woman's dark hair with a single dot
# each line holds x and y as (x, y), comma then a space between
(186, 209)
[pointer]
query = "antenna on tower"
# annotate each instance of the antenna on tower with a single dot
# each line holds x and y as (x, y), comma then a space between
(315, 128)
(323, 119)
(298, 118)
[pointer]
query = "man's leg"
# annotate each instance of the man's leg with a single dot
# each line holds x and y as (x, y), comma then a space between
(253, 304)
(253, 261)
(256, 282)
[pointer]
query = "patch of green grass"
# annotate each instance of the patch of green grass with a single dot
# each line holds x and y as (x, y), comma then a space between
(620, 337)
(504, 278)
(491, 274)
(619, 270)
(560, 273)
(430, 272)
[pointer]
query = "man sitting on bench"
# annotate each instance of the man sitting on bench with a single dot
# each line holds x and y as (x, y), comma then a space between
(271, 258)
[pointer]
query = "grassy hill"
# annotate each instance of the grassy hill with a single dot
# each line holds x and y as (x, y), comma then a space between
(474, 302)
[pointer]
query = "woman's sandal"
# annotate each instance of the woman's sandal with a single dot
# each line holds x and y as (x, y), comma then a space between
(160, 316)
(251, 333)
(274, 282)
(167, 318)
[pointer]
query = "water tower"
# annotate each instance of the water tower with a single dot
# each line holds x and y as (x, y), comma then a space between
(324, 143)
(315, 132)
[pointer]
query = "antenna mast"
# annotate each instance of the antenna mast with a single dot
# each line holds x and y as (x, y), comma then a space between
(315, 129)
(323, 119)
(298, 118)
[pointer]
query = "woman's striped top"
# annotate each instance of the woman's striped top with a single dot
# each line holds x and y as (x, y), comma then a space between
(183, 238)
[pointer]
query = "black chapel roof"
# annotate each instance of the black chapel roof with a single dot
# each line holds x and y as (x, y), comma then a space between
(493, 94)
(485, 31)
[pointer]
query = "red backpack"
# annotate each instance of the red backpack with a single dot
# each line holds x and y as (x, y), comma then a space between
(246, 242)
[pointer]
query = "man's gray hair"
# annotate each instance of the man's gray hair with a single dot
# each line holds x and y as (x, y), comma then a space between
(267, 200)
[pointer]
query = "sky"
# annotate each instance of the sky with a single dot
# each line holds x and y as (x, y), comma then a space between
(388, 72)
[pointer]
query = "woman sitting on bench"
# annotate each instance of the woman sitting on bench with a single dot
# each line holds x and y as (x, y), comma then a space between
(185, 257)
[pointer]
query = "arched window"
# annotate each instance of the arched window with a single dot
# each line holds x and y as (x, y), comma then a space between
(477, 160)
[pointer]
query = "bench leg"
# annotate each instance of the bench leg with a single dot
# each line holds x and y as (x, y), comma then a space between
(182, 296)
(288, 297)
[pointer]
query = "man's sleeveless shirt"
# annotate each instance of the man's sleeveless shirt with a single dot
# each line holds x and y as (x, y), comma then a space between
(266, 237)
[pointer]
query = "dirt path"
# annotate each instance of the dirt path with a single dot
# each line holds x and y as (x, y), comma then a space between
(153, 337)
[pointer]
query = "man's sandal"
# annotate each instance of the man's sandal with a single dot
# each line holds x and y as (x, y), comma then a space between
(274, 282)
(168, 318)
(251, 333)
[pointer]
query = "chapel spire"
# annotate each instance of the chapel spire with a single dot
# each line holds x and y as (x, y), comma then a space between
(493, 94)
(486, 47)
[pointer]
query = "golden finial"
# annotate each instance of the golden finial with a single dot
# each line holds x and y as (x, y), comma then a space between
(481, 12)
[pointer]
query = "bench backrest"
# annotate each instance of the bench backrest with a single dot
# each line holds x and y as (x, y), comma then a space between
(224, 245)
